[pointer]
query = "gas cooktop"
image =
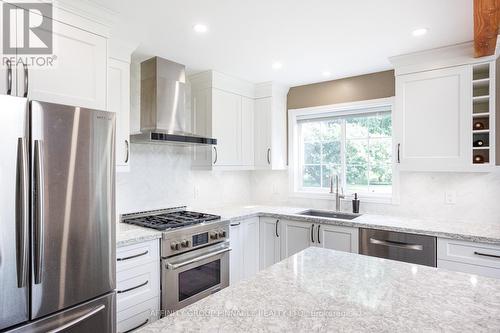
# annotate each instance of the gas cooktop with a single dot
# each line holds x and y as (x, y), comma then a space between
(168, 220)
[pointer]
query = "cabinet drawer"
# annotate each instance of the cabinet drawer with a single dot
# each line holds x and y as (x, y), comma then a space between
(151, 305)
(137, 285)
(137, 255)
(138, 316)
(468, 268)
(469, 253)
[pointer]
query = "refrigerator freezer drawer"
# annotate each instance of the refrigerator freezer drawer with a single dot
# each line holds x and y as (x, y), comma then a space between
(95, 316)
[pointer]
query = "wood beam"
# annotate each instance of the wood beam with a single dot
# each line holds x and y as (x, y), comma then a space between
(486, 26)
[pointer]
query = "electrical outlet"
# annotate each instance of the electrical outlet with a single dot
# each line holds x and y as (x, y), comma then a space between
(196, 192)
(450, 197)
(275, 189)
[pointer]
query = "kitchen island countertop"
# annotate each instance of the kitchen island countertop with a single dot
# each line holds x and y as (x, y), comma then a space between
(325, 290)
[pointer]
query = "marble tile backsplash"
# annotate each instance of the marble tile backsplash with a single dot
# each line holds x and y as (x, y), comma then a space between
(161, 176)
(422, 195)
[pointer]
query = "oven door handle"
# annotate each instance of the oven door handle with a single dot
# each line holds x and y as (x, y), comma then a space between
(196, 259)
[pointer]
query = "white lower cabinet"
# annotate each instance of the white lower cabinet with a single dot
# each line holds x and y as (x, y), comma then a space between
(269, 241)
(137, 285)
(280, 238)
(244, 256)
(296, 236)
(337, 238)
(469, 257)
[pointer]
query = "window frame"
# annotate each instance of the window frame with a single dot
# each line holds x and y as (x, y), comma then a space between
(337, 110)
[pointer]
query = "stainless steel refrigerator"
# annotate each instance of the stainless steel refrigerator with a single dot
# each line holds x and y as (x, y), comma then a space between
(57, 218)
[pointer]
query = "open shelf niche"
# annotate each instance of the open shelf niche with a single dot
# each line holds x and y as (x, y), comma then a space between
(481, 113)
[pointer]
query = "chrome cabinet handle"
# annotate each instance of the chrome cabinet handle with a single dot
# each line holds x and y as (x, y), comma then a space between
(79, 319)
(128, 151)
(400, 245)
(9, 77)
(26, 80)
(319, 239)
(39, 211)
(138, 326)
(269, 156)
(132, 257)
(399, 149)
(133, 288)
(193, 260)
(277, 221)
(312, 233)
(22, 211)
(486, 255)
(216, 155)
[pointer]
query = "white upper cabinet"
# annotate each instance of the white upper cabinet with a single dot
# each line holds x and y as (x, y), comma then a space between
(433, 119)
(222, 108)
(441, 96)
(78, 76)
(118, 98)
(247, 131)
(226, 127)
(270, 127)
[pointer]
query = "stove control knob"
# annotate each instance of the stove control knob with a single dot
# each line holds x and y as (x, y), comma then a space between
(222, 234)
(185, 243)
(175, 246)
(214, 235)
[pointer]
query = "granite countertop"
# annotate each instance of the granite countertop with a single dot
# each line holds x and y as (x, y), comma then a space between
(127, 234)
(325, 290)
(462, 230)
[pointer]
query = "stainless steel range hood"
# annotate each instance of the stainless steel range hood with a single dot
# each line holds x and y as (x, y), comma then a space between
(164, 118)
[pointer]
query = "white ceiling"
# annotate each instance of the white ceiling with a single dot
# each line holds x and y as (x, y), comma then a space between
(344, 37)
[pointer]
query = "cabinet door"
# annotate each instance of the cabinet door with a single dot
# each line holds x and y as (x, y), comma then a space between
(263, 122)
(247, 131)
(235, 256)
(297, 236)
(78, 76)
(432, 120)
(226, 124)
(250, 243)
(269, 242)
(201, 104)
(338, 238)
(119, 102)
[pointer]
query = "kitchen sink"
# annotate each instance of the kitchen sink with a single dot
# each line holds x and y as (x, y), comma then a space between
(329, 214)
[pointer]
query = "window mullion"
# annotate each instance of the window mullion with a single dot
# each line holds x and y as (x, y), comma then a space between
(343, 158)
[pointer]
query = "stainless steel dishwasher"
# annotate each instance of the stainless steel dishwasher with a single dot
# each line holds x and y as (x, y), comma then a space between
(416, 249)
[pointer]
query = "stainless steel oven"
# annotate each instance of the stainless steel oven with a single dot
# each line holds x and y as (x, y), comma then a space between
(191, 276)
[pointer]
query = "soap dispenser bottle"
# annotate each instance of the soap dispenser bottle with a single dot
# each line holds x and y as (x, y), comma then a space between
(355, 204)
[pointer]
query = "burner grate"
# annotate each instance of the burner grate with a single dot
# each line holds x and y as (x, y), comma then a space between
(172, 220)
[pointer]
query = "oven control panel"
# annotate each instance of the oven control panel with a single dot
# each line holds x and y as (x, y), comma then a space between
(183, 242)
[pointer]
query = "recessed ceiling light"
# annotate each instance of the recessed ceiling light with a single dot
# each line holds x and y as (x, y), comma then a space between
(277, 65)
(326, 74)
(419, 32)
(200, 28)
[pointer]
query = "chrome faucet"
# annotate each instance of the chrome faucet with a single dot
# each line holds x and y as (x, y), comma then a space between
(338, 196)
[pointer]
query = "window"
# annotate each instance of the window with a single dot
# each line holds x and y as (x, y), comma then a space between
(355, 144)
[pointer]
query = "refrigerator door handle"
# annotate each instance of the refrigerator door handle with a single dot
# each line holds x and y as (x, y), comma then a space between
(79, 319)
(9, 77)
(38, 211)
(22, 212)
(26, 80)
